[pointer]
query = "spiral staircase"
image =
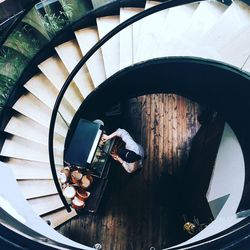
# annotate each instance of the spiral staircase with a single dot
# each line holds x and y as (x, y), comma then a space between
(208, 30)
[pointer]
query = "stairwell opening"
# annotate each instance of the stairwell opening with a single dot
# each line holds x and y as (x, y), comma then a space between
(143, 206)
(160, 76)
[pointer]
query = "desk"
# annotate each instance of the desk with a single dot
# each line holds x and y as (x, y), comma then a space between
(99, 170)
(87, 153)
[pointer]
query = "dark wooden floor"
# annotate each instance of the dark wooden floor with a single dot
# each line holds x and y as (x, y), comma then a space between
(137, 211)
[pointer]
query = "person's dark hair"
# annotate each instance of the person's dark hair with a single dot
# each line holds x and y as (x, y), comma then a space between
(128, 155)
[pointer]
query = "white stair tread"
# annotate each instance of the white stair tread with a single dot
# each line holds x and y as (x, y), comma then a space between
(87, 38)
(46, 204)
(70, 54)
(138, 29)
(110, 50)
(203, 19)
(56, 218)
(232, 22)
(126, 37)
(238, 50)
(150, 33)
(25, 169)
(37, 188)
(28, 129)
(177, 21)
(246, 66)
(31, 107)
(46, 92)
(137, 33)
(56, 72)
(18, 147)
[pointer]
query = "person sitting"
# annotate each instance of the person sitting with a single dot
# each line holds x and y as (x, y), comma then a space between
(129, 157)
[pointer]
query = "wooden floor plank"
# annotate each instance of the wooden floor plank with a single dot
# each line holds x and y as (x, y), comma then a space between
(170, 133)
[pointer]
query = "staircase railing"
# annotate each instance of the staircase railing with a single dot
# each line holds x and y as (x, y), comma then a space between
(20, 226)
(45, 37)
(221, 237)
(97, 46)
(83, 61)
(16, 21)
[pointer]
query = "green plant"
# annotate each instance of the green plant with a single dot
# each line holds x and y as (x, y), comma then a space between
(54, 23)
(24, 40)
(68, 8)
(75, 9)
(5, 85)
(12, 63)
(35, 20)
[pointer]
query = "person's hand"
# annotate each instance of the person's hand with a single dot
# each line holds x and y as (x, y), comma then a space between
(117, 158)
(105, 138)
(114, 156)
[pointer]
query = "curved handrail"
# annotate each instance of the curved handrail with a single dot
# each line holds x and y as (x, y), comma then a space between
(107, 37)
(15, 88)
(84, 21)
(17, 21)
(47, 48)
(11, 18)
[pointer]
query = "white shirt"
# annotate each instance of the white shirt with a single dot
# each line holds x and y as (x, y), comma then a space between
(133, 146)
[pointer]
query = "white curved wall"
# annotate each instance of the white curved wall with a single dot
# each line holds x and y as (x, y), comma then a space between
(227, 181)
(229, 174)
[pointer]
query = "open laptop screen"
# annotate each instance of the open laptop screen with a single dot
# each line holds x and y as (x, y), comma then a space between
(83, 143)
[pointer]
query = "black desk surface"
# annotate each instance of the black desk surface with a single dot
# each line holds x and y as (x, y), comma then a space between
(96, 193)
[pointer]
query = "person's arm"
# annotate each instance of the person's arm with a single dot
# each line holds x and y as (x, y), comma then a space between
(108, 137)
(129, 167)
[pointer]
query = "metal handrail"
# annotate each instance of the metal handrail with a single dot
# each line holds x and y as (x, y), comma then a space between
(10, 18)
(17, 21)
(47, 48)
(107, 37)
